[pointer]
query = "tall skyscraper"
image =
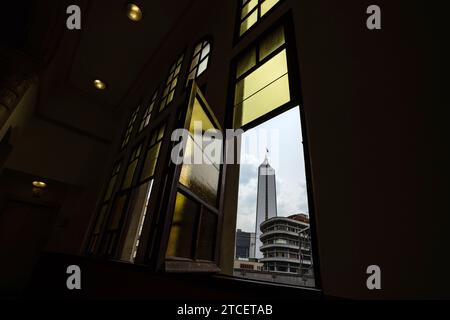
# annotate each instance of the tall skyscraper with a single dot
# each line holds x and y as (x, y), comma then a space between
(266, 202)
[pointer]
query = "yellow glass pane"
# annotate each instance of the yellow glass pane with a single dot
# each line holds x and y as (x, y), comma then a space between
(199, 116)
(174, 83)
(248, 22)
(194, 62)
(183, 225)
(271, 42)
(129, 175)
(266, 100)
(202, 179)
(247, 61)
(118, 209)
(267, 5)
(197, 48)
(170, 97)
(161, 133)
(248, 7)
(261, 77)
(150, 162)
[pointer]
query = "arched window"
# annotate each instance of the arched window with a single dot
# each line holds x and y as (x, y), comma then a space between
(200, 59)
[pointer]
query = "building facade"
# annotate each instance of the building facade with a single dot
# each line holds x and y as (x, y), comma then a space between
(245, 244)
(286, 245)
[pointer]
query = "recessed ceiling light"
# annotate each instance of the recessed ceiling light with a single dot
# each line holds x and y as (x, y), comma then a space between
(99, 84)
(134, 12)
(39, 184)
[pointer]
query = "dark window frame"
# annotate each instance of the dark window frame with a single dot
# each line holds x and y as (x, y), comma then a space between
(237, 36)
(296, 101)
(208, 39)
(178, 62)
(130, 127)
(153, 103)
(94, 239)
(173, 186)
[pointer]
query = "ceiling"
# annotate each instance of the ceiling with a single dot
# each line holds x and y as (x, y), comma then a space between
(109, 46)
(114, 48)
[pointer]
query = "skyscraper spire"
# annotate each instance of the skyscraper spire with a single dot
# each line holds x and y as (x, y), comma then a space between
(266, 199)
(266, 157)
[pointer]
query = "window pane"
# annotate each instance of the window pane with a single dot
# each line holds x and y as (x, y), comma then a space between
(138, 211)
(271, 42)
(197, 48)
(246, 62)
(202, 66)
(267, 5)
(248, 22)
(270, 236)
(161, 133)
(117, 212)
(174, 83)
(192, 74)
(177, 71)
(266, 100)
(182, 233)
(170, 98)
(150, 162)
(248, 7)
(128, 180)
(202, 179)
(198, 115)
(261, 77)
(205, 51)
(207, 236)
(194, 62)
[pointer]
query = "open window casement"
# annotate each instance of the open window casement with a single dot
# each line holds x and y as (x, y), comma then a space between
(193, 201)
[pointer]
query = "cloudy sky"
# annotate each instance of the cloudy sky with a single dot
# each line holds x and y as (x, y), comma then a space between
(282, 136)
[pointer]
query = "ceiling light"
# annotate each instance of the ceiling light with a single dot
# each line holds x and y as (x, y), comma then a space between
(39, 184)
(99, 84)
(134, 12)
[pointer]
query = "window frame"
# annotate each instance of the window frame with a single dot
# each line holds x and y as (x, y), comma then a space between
(177, 62)
(296, 101)
(154, 99)
(209, 40)
(238, 20)
(101, 204)
(130, 128)
(179, 264)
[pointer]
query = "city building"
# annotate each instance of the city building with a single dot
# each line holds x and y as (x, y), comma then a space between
(266, 201)
(245, 244)
(287, 245)
(241, 267)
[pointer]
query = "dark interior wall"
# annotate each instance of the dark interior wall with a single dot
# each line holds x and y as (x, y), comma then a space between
(30, 224)
(53, 152)
(366, 97)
